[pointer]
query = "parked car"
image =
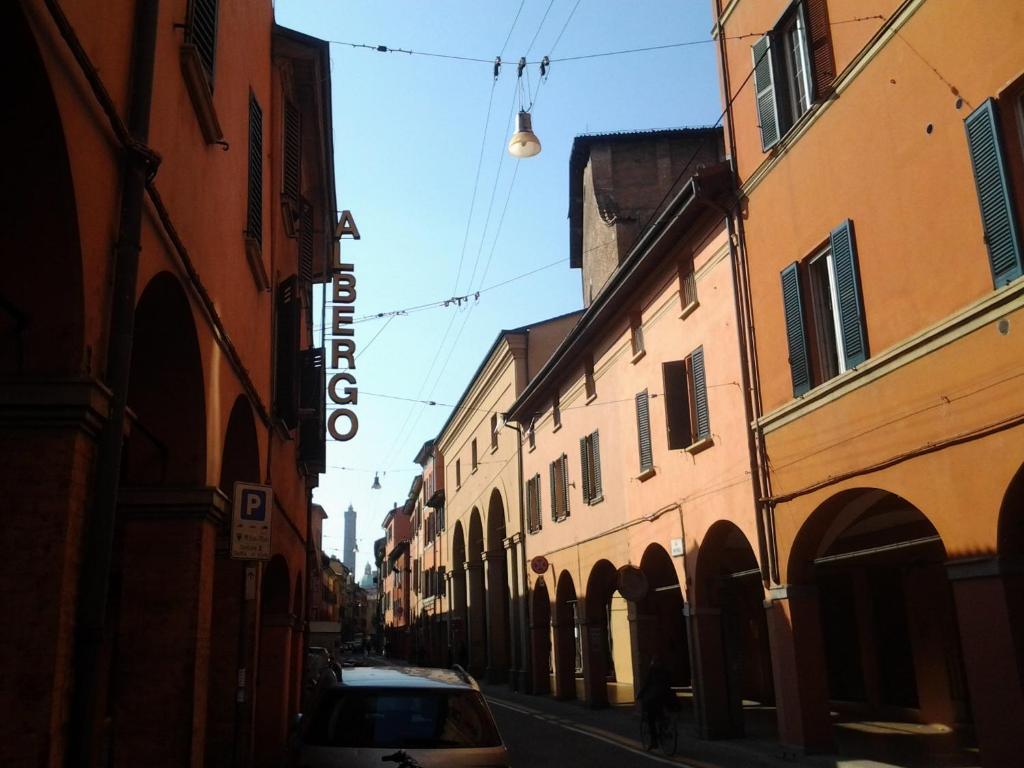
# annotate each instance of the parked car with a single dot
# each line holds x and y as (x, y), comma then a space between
(403, 715)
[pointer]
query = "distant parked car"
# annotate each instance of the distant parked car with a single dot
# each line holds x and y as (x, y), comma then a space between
(317, 659)
(402, 715)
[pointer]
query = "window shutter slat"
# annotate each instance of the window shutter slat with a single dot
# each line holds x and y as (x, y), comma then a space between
(700, 394)
(764, 90)
(306, 245)
(292, 151)
(851, 320)
(554, 491)
(287, 351)
(585, 470)
(997, 215)
(202, 32)
(595, 450)
(819, 39)
(254, 208)
(796, 336)
(643, 430)
(565, 485)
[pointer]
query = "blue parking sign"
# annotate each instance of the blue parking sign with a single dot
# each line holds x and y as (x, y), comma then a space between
(253, 508)
(254, 505)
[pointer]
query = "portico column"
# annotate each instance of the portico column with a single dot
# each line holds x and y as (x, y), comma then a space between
(989, 597)
(497, 617)
(715, 701)
(477, 615)
(518, 615)
(798, 666)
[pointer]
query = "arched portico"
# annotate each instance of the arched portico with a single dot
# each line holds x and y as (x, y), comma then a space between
(867, 627)
(226, 717)
(459, 618)
(568, 645)
(657, 624)
(599, 635)
(540, 637)
(498, 624)
(729, 632)
(274, 667)
(476, 595)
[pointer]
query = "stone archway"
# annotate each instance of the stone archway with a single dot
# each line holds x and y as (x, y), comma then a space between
(498, 600)
(42, 334)
(599, 636)
(568, 646)
(870, 615)
(459, 619)
(657, 624)
(231, 645)
(540, 637)
(476, 596)
(168, 522)
(730, 633)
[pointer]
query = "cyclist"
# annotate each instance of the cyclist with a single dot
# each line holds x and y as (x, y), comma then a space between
(654, 696)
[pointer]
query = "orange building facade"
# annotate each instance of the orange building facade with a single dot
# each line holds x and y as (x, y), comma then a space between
(170, 203)
(878, 148)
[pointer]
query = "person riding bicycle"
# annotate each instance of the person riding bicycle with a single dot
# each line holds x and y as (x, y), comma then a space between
(655, 696)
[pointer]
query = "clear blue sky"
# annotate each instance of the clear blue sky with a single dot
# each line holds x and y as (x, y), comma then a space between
(408, 132)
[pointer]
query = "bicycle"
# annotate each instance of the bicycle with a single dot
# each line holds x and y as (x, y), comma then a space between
(668, 732)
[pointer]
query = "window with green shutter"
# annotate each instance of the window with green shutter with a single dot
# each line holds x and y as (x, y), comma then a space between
(201, 31)
(254, 202)
(702, 420)
(998, 219)
(796, 336)
(590, 468)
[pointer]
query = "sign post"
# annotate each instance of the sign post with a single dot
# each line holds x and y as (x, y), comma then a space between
(251, 516)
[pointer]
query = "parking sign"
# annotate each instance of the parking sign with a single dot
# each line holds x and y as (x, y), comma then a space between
(250, 523)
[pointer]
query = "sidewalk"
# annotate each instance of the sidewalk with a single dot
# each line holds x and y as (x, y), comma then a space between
(622, 725)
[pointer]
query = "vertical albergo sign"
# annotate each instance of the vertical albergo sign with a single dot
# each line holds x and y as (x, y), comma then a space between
(342, 390)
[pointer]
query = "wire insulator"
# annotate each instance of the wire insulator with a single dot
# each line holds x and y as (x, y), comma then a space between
(521, 67)
(545, 64)
(497, 67)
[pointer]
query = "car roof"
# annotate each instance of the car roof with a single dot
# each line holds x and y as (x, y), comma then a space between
(406, 677)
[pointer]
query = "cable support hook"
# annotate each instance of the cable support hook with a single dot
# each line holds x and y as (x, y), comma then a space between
(497, 67)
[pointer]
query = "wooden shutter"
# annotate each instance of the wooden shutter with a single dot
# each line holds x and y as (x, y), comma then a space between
(796, 335)
(202, 32)
(565, 485)
(306, 245)
(764, 90)
(700, 395)
(254, 208)
(292, 151)
(997, 215)
(554, 491)
(595, 456)
(643, 430)
(851, 320)
(287, 351)
(819, 40)
(585, 469)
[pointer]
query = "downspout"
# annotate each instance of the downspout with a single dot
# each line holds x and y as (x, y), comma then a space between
(526, 672)
(97, 555)
(748, 350)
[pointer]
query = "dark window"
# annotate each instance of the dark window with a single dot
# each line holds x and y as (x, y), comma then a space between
(793, 68)
(472, 453)
(531, 436)
(636, 333)
(686, 400)
(312, 427)
(494, 432)
(286, 352)
(458, 472)
(558, 470)
(643, 431)
(201, 32)
(825, 335)
(254, 207)
(590, 468)
(588, 378)
(687, 286)
(556, 412)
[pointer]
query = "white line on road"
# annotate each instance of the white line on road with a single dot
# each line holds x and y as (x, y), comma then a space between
(563, 724)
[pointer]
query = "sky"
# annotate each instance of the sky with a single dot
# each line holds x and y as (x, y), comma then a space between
(443, 210)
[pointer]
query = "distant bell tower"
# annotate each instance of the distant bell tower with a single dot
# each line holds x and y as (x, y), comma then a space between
(349, 551)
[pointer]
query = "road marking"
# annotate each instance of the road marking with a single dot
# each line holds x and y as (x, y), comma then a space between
(609, 739)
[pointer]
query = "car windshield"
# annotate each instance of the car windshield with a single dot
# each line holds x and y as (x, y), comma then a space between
(402, 718)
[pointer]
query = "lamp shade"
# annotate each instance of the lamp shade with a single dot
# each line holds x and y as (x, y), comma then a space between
(524, 142)
(376, 482)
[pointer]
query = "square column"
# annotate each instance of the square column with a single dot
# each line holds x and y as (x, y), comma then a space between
(989, 597)
(476, 640)
(798, 667)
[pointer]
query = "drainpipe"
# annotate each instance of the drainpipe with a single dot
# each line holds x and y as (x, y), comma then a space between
(97, 554)
(748, 349)
(526, 670)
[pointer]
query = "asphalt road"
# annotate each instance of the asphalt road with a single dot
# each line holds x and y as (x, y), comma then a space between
(538, 739)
